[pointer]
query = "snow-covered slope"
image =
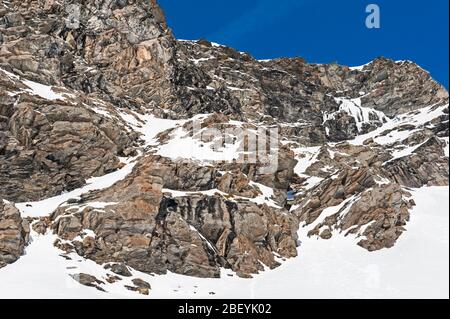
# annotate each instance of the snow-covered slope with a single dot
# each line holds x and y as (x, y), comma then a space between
(417, 267)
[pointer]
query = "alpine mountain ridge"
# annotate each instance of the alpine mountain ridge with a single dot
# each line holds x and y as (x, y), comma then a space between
(105, 146)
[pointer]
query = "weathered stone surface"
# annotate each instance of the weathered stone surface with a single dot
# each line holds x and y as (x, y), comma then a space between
(387, 211)
(119, 269)
(112, 48)
(41, 226)
(291, 90)
(193, 235)
(48, 146)
(359, 205)
(242, 235)
(88, 280)
(427, 166)
(140, 286)
(14, 233)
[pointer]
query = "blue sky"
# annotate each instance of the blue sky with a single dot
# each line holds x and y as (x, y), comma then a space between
(321, 31)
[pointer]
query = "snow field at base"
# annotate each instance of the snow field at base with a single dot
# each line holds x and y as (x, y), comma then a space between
(417, 267)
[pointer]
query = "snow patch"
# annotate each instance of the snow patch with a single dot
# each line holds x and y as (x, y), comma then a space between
(47, 206)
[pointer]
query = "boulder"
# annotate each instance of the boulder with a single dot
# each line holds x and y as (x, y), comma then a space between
(14, 233)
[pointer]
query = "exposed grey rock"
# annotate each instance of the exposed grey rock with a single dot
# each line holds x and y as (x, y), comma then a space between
(14, 233)
(140, 286)
(119, 269)
(47, 146)
(427, 166)
(122, 62)
(360, 202)
(88, 280)
(193, 235)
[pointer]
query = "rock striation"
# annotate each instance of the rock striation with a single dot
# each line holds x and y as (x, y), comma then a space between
(95, 88)
(140, 222)
(14, 233)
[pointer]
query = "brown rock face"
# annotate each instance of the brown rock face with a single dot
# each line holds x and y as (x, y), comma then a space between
(426, 166)
(80, 82)
(241, 235)
(88, 280)
(114, 48)
(140, 286)
(388, 213)
(359, 206)
(49, 146)
(14, 233)
(213, 78)
(193, 235)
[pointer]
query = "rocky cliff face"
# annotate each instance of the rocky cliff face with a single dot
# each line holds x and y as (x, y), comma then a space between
(175, 130)
(14, 233)
(139, 221)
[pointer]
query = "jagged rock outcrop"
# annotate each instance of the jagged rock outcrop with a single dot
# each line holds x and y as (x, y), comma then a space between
(293, 91)
(243, 236)
(387, 210)
(140, 286)
(88, 280)
(135, 223)
(14, 233)
(426, 166)
(117, 49)
(51, 145)
(356, 203)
